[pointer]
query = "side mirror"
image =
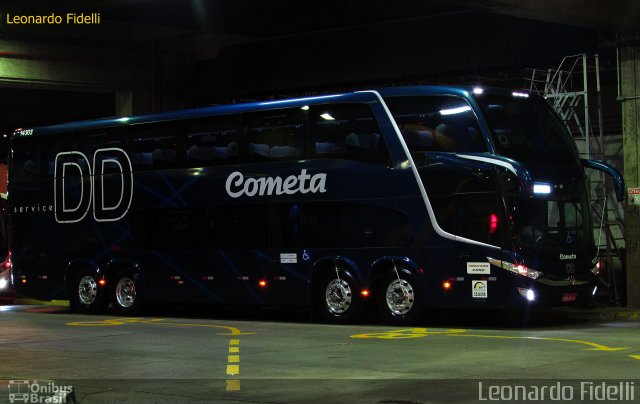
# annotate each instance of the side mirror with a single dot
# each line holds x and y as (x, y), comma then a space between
(618, 180)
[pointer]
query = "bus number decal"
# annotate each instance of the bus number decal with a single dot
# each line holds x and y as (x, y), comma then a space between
(72, 205)
(237, 185)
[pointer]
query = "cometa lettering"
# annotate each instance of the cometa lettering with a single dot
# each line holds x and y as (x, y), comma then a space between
(237, 185)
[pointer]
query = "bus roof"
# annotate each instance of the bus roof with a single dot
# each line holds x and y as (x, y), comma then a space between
(462, 91)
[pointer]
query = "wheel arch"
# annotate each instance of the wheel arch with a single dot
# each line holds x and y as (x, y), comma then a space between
(386, 264)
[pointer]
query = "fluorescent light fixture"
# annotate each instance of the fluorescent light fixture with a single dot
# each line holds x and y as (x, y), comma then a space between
(478, 90)
(541, 188)
(519, 94)
(327, 117)
(454, 111)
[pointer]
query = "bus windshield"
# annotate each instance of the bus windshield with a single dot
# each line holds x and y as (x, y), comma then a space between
(527, 130)
(551, 222)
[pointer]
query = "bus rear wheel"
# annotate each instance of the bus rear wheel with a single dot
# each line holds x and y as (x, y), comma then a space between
(336, 298)
(400, 298)
(126, 295)
(88, 295)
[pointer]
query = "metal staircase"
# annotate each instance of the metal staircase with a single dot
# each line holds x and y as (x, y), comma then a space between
(573, 89)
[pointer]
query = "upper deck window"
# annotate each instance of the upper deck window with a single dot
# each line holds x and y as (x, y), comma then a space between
(436, 123)
(527, 130)
(213, 140)
(275, 134)
(347, 131)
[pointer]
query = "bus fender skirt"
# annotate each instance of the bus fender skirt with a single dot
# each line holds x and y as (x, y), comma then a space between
(344, 263)
(115, 265)
(73, 267)
(383, 265)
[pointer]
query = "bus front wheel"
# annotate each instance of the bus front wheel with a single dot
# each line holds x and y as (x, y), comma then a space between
(336, 298)
(400, 298)
(126, 295)
(89, 296)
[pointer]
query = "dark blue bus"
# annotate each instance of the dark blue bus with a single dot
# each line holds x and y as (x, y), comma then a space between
(409, 197)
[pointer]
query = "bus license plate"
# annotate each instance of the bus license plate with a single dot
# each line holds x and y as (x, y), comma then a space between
(569, 297)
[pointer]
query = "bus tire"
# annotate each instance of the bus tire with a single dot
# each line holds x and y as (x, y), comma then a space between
(88, 296)
(400, 299)
(336, 298)
(126, 296)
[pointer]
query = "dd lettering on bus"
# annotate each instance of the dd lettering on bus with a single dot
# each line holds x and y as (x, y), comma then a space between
(109, 203)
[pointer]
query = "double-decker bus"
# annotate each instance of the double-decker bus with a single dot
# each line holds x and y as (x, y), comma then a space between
(410, 197)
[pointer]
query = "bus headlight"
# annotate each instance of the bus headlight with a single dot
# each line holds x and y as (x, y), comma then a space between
(3, 283)
(519, 269)
(528, 294)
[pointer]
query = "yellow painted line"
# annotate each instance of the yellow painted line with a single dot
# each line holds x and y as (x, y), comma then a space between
(156, 321)
(635, 357)
(407, 333)
(233, 370)
(424, 332)
(233, 385)
(593, 345)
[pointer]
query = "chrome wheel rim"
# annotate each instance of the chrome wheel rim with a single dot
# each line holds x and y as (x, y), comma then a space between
(87, 290)
(126, 292)
(400, 297)
(338, 296)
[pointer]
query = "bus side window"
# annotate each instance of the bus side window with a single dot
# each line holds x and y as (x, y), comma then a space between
(27, 160)
(212, 140)
(104, 139)
(275, 134)
(437, 123)
(347, 131)
(153, 146)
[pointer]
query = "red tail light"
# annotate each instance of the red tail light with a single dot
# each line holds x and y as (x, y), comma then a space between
(493, 223)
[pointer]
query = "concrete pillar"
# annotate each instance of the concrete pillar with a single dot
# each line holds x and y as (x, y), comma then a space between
(629, 48)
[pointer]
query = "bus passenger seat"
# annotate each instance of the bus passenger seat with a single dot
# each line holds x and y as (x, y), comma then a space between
(283, 151)
(363, 140)
(259, 149)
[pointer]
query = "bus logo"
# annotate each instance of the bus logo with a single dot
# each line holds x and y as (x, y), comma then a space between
(79, 185)
(237, 185)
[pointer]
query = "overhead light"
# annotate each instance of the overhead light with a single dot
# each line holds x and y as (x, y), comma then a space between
(454, 111)
(327, 116)
(520, 94)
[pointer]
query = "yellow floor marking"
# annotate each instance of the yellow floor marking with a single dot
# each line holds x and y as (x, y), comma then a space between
(233, 370)
(635, 357)
(407, 333)
(233, 385)
(234, 344)
(155, 321)
(424, 332)
(595, 347)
